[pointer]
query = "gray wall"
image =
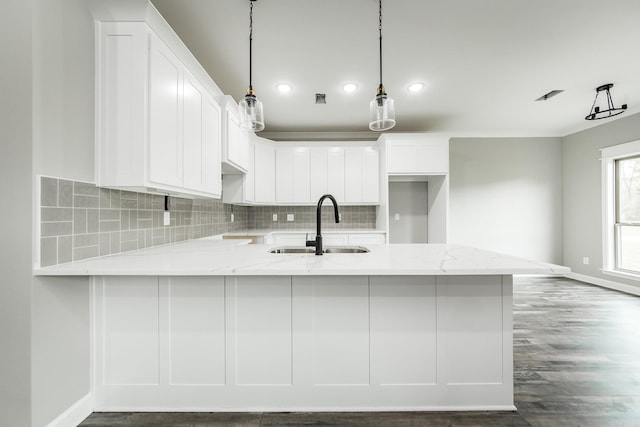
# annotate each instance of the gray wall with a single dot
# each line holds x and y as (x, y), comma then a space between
(63, 123)
(506, 195)
(409, 199)
(15, 186)
(583, 195)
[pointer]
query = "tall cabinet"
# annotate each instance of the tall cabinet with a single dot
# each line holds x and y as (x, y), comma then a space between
(418, 163)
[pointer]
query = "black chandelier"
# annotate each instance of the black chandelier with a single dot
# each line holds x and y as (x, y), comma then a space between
(597, 113)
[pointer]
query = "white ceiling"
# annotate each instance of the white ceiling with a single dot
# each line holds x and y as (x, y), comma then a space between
(484, 61)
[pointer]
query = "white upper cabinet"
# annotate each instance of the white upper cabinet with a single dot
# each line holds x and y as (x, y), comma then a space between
(265, 171)
(165, 113)
(240, 188)
(424, 154)
(361, 179)
(158, 128)
(336, 173)
(300, 175)
(293, 179)
(318, 173)
(201, 143)
(235, 140)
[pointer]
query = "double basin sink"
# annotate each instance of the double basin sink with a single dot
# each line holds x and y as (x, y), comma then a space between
(327, 250)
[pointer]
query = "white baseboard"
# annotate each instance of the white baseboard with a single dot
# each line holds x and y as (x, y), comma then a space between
(634, 290)
(74, 414)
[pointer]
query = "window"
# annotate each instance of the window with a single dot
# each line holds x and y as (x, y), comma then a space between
(627, 227)
(621, 210)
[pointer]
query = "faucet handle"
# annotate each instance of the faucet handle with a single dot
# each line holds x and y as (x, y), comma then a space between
(308, 242)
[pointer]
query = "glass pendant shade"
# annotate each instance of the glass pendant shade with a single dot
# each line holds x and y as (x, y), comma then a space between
(251, 116)
(382, 114)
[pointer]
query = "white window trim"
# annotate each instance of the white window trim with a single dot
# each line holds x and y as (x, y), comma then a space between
(608, 157)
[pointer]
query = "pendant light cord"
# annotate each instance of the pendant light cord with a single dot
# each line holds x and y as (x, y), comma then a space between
(250, 41)
(380, 33)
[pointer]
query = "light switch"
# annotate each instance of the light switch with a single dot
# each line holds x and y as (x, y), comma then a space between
(397, 217)
(289, 217)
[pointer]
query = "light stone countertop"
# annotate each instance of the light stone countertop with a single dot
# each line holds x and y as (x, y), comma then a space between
(304, 231)
(218, 257)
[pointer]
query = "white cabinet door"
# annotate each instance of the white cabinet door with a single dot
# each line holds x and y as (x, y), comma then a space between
(289, 239)
(240, 188)
(361, 181)
(367, 239)
(423, 156)
(370, 176)
(193, 138)
(334, 239)
(284, 175)
(265, 172)
(318, 170)
(211, 136)
(336, 173)
(165, 92)
(293, 175)
(249, 182)
(353, 168)
(235, 151)
(301, 175)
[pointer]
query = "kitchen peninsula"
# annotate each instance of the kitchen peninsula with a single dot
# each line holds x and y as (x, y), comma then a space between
(214, 325)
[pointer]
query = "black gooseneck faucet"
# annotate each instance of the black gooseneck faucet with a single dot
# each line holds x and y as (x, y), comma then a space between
(318, 242)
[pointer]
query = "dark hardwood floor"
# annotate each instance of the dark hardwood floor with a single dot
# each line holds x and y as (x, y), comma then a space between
(576, 357)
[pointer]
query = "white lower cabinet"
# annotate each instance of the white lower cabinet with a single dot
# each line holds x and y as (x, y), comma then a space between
(302, 343)
(328, 238)
(334, 239)
(288, 239)
(363, 239)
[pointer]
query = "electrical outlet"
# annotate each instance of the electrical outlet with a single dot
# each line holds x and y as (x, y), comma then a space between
(340, 216)
(585, 260)
(167, 218)
(289, 217)
(232, 217)
(397, 217)
(275, 217)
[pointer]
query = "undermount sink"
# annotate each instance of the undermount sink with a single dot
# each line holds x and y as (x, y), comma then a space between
(346, 250)
(328, 250)
(292, 250)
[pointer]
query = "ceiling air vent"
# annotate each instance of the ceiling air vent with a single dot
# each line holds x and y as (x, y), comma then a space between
(321, 98)
(549, 95)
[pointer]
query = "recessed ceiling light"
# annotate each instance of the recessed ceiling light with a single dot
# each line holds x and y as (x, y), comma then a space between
(416, 87)
(284, 87)
(350, 87)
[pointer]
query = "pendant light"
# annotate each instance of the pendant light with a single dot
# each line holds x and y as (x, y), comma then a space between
(382, 114)
(596, 113)
(251, 115)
